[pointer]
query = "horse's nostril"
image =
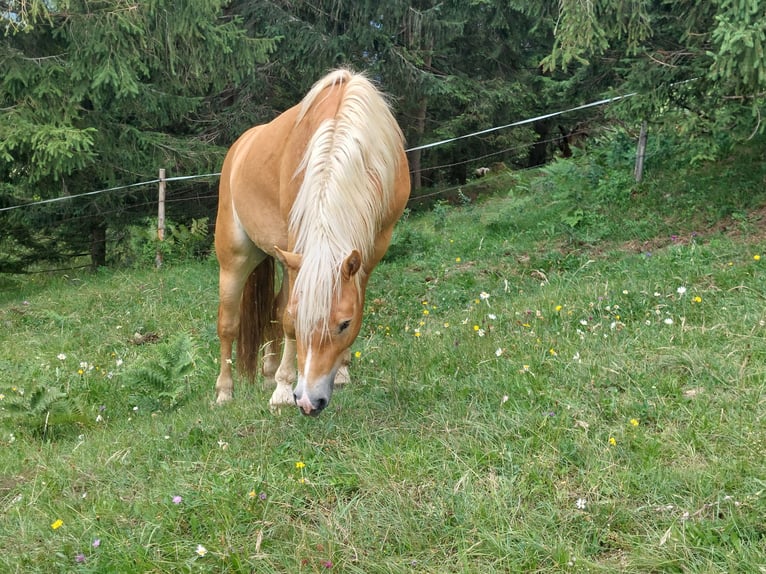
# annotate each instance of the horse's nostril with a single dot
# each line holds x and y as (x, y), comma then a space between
(321, 404)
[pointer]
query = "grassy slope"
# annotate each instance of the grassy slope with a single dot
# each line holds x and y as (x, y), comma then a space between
(586, 416)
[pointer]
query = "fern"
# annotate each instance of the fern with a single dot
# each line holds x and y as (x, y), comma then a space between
(162, 383)
(44, 410)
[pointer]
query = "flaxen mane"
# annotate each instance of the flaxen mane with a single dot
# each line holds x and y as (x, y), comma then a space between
(349, 168)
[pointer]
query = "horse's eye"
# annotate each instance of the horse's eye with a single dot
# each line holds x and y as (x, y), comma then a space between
(343, 326)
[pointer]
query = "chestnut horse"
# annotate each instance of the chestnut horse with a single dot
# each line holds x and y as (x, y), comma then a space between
(319, 189)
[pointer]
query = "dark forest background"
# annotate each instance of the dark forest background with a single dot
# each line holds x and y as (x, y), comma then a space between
(102, 94)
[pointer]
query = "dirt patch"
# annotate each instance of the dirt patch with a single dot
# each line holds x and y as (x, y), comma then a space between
(8, 484)
(751, 230)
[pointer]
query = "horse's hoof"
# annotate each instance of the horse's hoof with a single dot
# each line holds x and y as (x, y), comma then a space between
(342, 377)
(223, 398)
(282, 396)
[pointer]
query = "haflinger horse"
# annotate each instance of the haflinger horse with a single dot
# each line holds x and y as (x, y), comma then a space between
(318, 189)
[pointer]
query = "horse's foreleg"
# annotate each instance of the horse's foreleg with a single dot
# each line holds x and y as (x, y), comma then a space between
(286, 376)
(228, 326)
(224, 385)
(230, 287)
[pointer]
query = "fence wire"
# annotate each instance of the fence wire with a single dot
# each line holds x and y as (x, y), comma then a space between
(601, 102)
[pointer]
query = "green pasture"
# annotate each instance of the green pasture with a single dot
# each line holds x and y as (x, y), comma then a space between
(567, 375)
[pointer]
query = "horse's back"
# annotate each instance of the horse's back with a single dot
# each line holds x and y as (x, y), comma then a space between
(264, 169)
(255, 171)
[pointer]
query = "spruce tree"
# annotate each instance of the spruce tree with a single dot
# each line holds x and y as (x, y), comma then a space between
(96, 94)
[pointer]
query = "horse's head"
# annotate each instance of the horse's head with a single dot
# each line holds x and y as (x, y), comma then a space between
(322, 335)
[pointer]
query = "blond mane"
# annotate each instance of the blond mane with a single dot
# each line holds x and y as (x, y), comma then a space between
(349, 170)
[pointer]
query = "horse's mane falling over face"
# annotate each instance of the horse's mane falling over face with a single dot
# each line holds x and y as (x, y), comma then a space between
(348, 170)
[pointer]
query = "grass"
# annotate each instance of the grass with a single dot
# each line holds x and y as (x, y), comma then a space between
(531, 394)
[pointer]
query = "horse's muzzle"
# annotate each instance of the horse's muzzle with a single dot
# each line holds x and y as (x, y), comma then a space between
(308, 409)
(312, 401)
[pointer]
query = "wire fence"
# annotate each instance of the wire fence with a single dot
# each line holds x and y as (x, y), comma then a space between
(206, 197)
(431, 145)
(191, 188)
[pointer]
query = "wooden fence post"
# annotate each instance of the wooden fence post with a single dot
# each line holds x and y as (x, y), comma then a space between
(638, 172)
(160, 217)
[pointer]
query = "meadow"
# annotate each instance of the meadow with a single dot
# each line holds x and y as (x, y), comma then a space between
(566, 374)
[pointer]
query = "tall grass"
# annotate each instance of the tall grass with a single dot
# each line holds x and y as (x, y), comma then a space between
(535, 391)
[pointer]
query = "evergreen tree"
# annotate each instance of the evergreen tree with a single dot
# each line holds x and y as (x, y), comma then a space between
(451, 67)
(98, 93)
(699, 66)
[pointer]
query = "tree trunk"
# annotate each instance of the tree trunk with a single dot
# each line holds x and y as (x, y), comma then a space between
(538, 153)
(98, 245)
(416, 178)
(416, 164)
(415, 156)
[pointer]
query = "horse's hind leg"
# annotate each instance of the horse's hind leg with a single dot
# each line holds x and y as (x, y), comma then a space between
(273, 347)
(343, 377)
(286, 374)
(271, 355)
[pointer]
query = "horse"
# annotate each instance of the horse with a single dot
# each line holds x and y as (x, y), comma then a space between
(318, 190)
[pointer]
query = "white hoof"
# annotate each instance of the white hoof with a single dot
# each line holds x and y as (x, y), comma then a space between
(223, 397)
(283, 395)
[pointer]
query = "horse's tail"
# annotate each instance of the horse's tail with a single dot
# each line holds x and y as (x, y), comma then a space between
(257, 315)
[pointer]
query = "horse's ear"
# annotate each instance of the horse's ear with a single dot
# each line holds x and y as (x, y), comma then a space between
(288, 258)
(351, 265)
